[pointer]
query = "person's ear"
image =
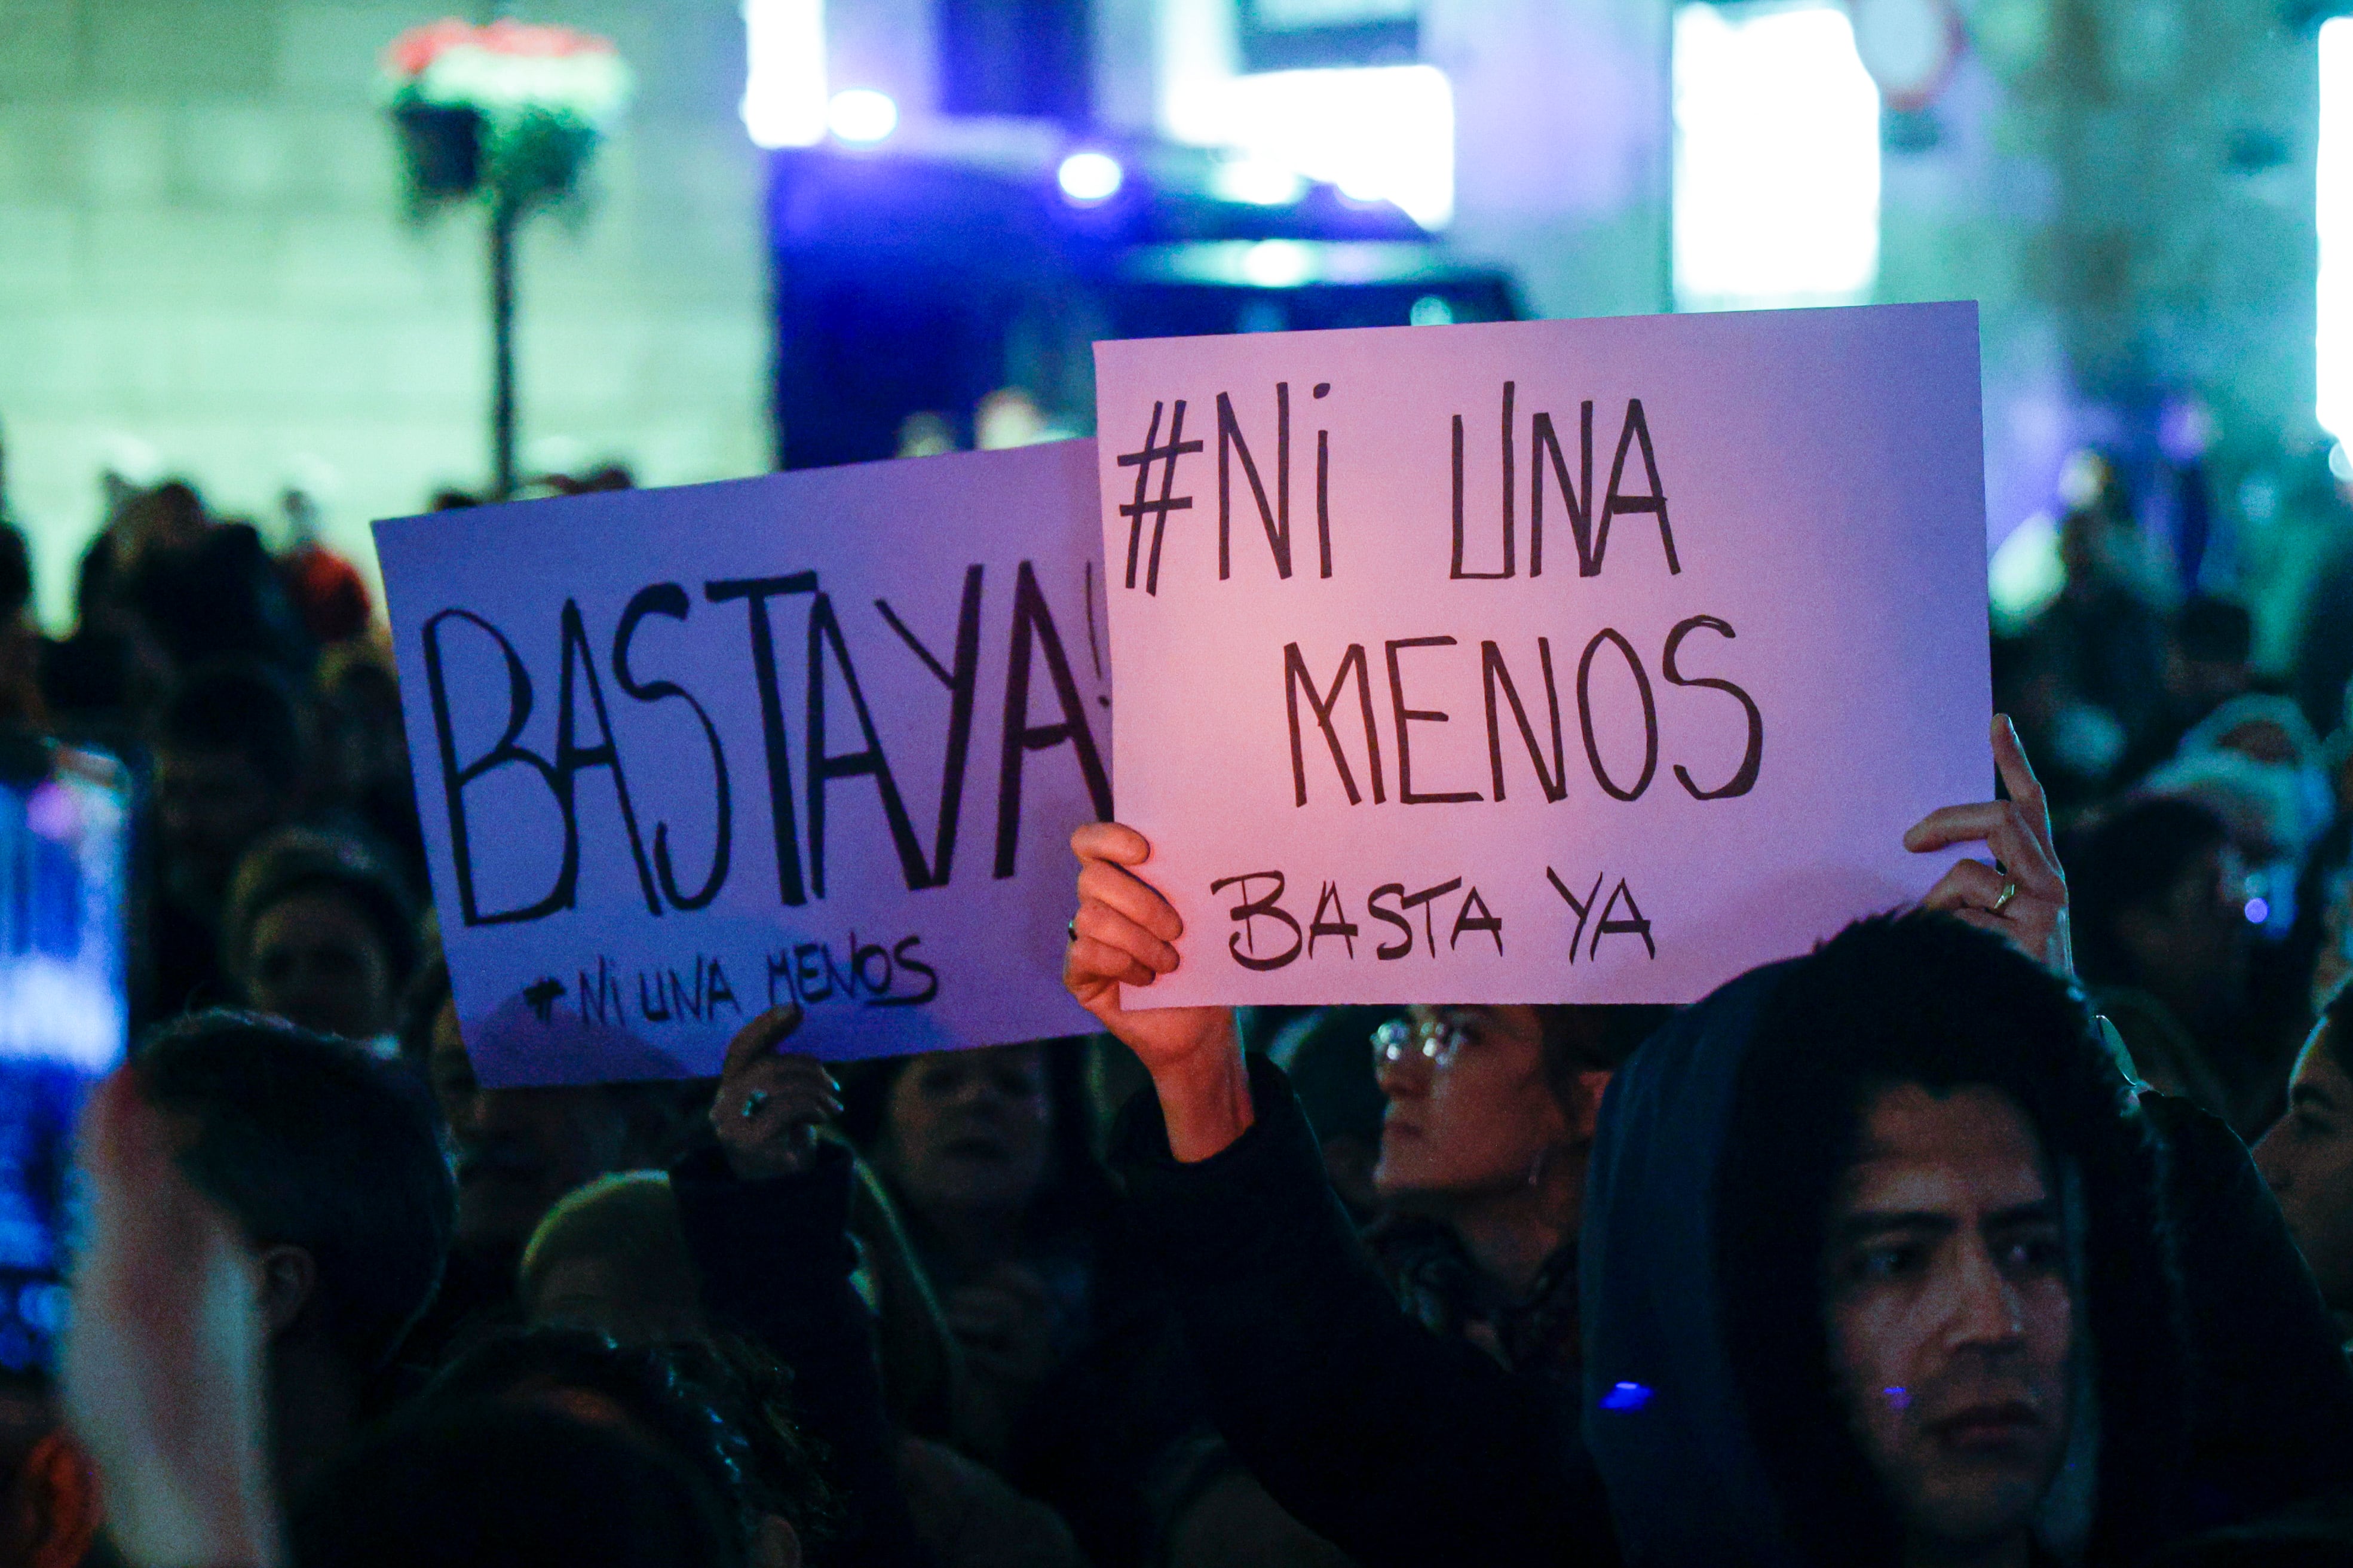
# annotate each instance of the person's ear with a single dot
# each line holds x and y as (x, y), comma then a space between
(1590, 1086)
(290, 1277)
(774, 1544)
(57, 1499)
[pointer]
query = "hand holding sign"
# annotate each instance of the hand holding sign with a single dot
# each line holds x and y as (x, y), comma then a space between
(1121, 937)
(2023, 894)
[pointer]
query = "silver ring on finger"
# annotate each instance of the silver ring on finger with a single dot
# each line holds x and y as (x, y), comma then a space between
(2009, 891)
(754, 1102)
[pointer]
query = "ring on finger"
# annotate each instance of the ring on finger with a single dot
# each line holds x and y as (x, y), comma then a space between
(754, 1102)
(2009, 891)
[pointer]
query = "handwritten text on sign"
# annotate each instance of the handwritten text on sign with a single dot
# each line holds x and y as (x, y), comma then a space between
(685, 755)
(1551, 661)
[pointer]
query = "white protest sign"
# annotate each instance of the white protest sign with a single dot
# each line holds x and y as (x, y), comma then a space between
(1553, 661)
(823, 736)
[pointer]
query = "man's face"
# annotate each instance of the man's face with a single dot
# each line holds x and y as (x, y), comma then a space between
(1952, 1322)
(970, 1129)
(211, 805)
(519, 1149)
(2307, 1158)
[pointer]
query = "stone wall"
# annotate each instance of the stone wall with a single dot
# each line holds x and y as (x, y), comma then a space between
(202, 252)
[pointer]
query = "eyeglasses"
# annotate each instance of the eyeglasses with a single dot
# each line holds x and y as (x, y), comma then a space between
(1436, 1040)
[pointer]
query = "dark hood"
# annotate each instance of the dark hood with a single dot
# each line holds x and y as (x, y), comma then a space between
(1664, 1414)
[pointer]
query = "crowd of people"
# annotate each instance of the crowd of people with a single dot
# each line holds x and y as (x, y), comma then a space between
(2014, 1228)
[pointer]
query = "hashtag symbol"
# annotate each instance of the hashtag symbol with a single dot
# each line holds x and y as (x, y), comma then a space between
(1159, 510)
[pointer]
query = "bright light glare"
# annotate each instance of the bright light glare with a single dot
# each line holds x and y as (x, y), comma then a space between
(862, 115)
(1278, 263)
(1260, 181)
(784, 85)
(1379, 132)
(1091, 177)
(2334, 213)
(1777, 158)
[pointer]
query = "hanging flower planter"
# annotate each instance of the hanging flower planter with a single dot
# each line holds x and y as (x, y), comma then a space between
(508, 110)
(511, 112)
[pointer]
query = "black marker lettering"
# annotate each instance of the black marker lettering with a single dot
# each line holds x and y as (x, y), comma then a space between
(1404, 944)
(1485, 919)
(1752, 757)
(454, 778)
(1636, 429)
(1409, 715)
(1424, 899)
(571, 757)
(1340, 925)
(755, 593)
(825, 632)
(1650, 714)
(1032, 618)
(964, 687)
(1276, 521)
(1295, 676)
(1251, 910)
(1554, 783)
(669, 600)
(1583, 912)
(1632, 925)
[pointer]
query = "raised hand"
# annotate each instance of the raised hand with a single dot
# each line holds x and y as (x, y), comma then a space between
(771, 1105)
(1122, 937)
(2022, 895)
(164, 1361)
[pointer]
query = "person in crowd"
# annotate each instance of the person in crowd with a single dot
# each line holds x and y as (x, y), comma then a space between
(361, 776)
(21, 706)
(2103, 637)
(1320, 1383)
(320, 933)
(2166, 946)
(989, 1154)
(2208, 644)
(2308, 1155)
(616, 1257)
(507, 1484)
(725, 1416)
(229, 757)
(517, 1152)
(1483, 1158)
(326, 1160)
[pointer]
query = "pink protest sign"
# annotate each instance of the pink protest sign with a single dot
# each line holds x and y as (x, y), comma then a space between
(1555, 661)
(683, 755)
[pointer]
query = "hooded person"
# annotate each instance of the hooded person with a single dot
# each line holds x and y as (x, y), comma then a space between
(1884, 1258)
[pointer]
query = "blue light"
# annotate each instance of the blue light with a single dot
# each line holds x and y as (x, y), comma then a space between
(1626, 1396)
(1900, 1399)
(1090, 178)
(861, 115)
(2258, 910)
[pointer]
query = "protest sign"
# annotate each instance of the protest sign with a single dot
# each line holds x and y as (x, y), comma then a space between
(1557, 661)
(684, 754)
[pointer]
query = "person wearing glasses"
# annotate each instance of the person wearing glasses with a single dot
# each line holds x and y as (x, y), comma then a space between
(1490, 1118)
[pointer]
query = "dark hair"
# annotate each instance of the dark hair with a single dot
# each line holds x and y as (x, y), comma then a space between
(723, 1408)
(1582, 1037)
(2127, 862)
(304, 859)
(504, 1484)
(1078, 1192)
(238, 706)
(2214, 630)
(311, 1142)
(15, 570)
(1922, 999)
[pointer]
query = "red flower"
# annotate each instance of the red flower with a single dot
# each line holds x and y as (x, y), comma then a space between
(413, 50)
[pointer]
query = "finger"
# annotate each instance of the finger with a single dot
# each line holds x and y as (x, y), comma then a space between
(1091, 965)
(1970, 885)
(1139, 901)
(2017, 773)
(2003, 827)
(1951, 824)
(1100, 922)
(1111, 841)
(760, 1037)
